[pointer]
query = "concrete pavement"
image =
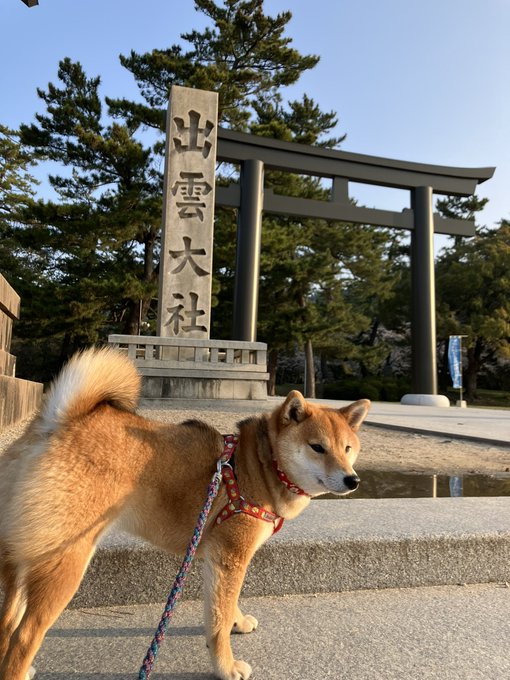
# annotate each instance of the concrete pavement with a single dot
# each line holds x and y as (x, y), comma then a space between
(441, 633)
(475, 424)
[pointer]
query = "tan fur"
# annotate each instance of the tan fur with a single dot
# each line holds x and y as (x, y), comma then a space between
(87, 461)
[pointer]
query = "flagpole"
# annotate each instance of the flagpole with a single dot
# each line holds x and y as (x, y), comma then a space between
(461, 378)
(461, 402)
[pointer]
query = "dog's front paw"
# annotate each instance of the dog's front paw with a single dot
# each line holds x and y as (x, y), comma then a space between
(246, 624)
(31, 673)
(240, 671)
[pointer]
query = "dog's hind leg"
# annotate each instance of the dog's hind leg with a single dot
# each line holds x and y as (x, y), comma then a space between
(49, 586)
(13, 605)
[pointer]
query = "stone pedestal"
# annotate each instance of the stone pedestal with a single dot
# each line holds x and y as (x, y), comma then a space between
(182, 368)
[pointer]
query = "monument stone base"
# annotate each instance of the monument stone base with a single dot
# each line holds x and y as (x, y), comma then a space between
(194, 387)
(178, 368)
(425, 400)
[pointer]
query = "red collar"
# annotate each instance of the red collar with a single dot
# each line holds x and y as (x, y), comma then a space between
(236, 503)
(287, 482)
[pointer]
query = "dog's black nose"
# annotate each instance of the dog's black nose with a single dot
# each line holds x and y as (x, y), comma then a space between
(352, 482)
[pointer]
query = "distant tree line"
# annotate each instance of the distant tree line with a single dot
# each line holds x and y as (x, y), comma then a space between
(86, 262)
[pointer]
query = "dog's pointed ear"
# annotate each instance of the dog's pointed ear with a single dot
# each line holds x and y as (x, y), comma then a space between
(293, 408)
(356, 413)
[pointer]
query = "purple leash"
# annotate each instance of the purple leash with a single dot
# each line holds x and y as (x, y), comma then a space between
(212, 491)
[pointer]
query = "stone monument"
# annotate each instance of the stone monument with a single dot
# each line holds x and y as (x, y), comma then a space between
(182, 361)
(184, 303)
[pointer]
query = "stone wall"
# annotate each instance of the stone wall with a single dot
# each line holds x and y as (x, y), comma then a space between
(18, 398)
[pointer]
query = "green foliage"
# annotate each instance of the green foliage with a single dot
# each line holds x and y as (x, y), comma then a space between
(16, 183)
(23, 260)
(26, 262)
(473, 292)
(373, 388)
(460, 208)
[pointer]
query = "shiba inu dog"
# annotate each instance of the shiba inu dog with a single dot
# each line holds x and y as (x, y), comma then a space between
(88, 461)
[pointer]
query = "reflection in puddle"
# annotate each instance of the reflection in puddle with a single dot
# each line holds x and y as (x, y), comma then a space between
(377, 484)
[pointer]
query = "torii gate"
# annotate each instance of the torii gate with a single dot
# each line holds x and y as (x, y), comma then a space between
(422, 180)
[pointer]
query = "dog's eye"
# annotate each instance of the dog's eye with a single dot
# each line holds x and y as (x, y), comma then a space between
(317, 448)
(348, 449)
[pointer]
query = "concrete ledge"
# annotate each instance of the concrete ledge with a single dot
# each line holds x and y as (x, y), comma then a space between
(18, 399)
(9, 299)
(5, 330)
(336, 545)
(7, 364)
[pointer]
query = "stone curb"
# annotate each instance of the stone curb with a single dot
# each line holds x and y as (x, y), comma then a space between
(336, 545)
(416, 429)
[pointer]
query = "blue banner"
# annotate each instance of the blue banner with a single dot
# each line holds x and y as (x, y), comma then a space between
(455, 484)
(455, 360)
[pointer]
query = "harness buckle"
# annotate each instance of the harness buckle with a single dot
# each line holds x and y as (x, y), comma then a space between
(237, 504)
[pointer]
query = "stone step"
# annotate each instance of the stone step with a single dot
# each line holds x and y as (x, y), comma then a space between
(335, 545)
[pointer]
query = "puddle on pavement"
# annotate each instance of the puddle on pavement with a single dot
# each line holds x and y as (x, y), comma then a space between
(377, 484)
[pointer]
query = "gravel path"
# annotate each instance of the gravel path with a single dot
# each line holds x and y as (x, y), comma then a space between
(381, 449)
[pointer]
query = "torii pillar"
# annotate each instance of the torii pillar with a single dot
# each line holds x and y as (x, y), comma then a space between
(423, 304)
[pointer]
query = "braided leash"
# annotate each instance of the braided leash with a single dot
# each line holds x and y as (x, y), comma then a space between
(212, 491)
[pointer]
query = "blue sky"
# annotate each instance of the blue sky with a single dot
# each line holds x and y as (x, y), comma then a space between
(413, 80)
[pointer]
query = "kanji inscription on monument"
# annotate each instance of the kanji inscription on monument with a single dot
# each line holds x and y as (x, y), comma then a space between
(185, 275)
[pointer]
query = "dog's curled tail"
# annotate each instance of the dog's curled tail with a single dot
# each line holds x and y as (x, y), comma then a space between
(89, 378)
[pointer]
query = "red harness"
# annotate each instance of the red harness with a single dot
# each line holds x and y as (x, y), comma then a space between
(236, 503)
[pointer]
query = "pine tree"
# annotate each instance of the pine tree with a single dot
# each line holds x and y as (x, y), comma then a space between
(16, 193)
(16, 182)
(23, 260)
(244, 56)
(104, 228)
